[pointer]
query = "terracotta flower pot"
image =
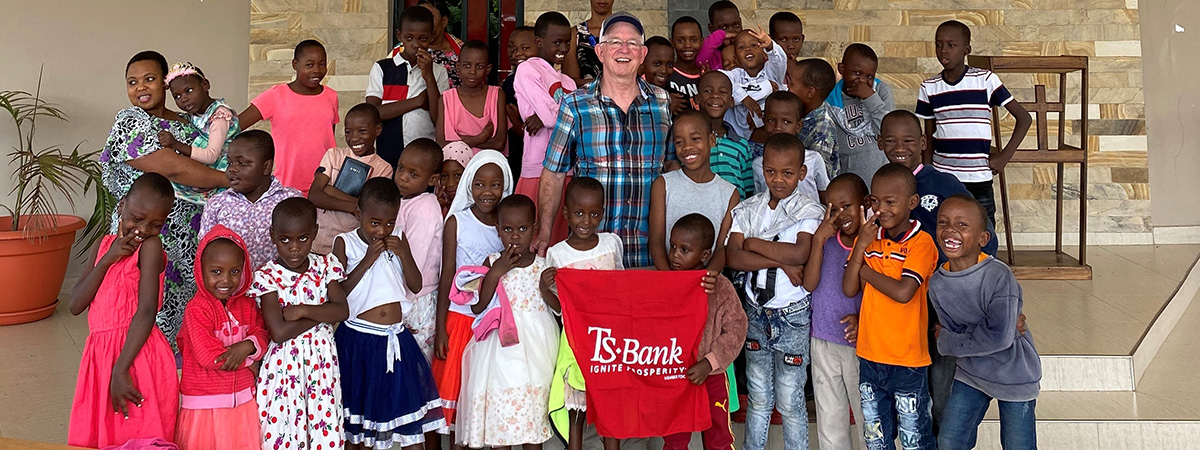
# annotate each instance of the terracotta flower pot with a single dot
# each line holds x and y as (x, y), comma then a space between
(32, 272)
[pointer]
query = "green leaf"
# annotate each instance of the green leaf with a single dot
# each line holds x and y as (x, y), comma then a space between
(41, 174)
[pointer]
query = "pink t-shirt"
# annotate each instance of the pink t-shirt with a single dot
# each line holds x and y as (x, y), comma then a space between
(333, 223)
(302, 127)
(420, 218)
(457, 121)
(334, 158)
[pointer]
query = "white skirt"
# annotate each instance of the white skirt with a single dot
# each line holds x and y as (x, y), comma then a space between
(505, 390)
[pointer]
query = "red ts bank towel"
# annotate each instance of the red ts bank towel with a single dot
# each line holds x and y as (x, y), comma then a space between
(634, 334)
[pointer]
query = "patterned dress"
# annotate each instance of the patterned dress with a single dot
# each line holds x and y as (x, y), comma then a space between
(217, 110)
(134, 135)
(585, 51)
(449, 58)
(506, 389)
(299, 384)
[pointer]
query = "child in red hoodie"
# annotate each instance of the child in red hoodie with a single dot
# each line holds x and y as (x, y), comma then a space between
(222, 335)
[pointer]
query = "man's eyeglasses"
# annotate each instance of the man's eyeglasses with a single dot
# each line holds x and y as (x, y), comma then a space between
(632, 44)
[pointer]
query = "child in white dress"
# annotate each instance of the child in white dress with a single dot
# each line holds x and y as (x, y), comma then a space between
(299, 385)
(583, 249)
(467, 239)
(506, 388)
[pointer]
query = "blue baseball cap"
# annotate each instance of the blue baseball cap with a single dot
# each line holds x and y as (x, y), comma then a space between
(622, 17)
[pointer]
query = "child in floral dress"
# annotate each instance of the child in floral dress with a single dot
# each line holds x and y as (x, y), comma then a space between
(506, 385)
(299, 388)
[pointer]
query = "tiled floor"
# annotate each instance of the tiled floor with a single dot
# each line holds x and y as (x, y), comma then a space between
(1107, 315)
(1168, 391)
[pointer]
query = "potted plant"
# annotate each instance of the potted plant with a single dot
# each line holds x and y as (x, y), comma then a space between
(35, 240)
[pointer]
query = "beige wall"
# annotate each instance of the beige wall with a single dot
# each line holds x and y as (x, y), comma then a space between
(1171, 60)
(85, 45)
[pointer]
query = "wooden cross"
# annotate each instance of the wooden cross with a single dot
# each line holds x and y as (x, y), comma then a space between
(1040, 108)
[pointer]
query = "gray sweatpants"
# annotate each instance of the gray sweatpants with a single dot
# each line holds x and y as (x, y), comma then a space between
(835, 386)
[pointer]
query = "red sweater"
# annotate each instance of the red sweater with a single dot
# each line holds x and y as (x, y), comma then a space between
(204, 385)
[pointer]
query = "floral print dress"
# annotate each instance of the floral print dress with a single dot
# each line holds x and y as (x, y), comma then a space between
(299, 386)
(506, 390)
(585, 51)
(447, 58)
(134, 135)
(218, 110)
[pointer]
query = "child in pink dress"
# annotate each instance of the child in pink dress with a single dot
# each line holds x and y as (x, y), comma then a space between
(222, 336)
(302, 115)
(126, 388)
(473, 112)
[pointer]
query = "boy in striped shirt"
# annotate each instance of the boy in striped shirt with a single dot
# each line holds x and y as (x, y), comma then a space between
(957, 108)
(730, 158)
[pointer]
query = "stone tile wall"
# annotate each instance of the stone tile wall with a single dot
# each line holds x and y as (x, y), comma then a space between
(901, 32)
(355, 34)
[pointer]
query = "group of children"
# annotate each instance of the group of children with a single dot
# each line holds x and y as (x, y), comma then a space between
(410, 305)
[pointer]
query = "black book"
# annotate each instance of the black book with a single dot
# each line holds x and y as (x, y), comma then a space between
(352, 176)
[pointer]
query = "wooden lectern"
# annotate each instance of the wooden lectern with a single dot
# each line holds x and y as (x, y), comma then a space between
(1046, 264)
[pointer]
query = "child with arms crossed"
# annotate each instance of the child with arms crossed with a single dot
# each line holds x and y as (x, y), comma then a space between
(473, 112)
(769, 240)
(301, 300)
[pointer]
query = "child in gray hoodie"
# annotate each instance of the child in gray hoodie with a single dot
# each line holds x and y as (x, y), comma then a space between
(977, 300)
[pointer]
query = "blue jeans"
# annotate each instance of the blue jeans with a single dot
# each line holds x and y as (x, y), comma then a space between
(964, 411)
(895, 398)
(777, 351)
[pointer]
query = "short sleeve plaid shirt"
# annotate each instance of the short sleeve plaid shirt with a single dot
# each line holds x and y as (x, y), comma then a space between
(816, 132)
(623, 150)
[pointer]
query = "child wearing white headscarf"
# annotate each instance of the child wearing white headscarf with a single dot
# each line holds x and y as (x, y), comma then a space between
(467, 239)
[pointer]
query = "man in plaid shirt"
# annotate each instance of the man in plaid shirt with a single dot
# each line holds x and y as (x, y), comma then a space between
(615, 130)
